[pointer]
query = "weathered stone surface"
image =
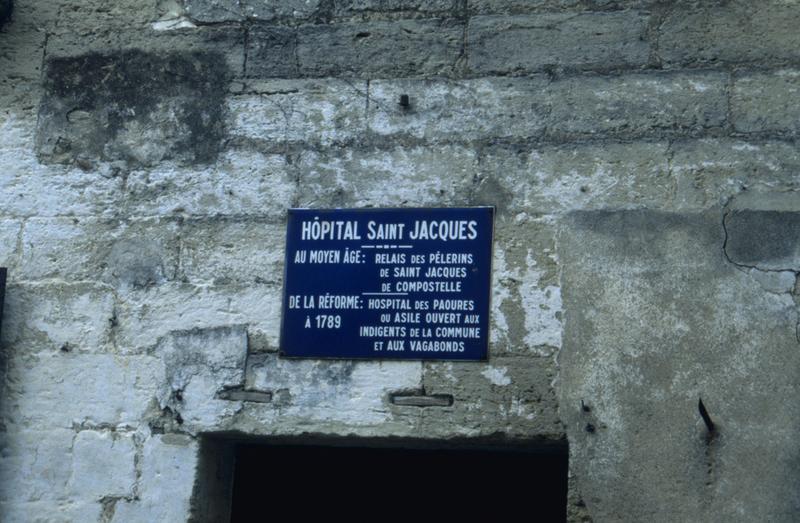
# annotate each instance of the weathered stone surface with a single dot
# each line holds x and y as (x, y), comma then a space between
(216, 11)
(70, 190)
(220, 11)
(23, 44)
(502, 393)
(213, 49)
(56, 512)
(267, 9)
(102, 465)
(147, 315)
(35, 465)
(168, 466)
(232, 251)
(219, 351)
(403, 48)
(37, 385)
(139, 262)
(447, 110)
(767, 240)
(417, 176)
(779, 282)
(9, 239)
(730, 32)
(331, 393)
(527, 6)
(133, 254)
(102, 108)
(712, 332)
(526, 299)
(240, 183)
(223, 43)
(403, 8)
(518, 6)
(271, 52)
(278, 112)
(591, 41)
(709, 172)
(766, 102)
(45, 14)
(68, 318)
(638, 104)
(521, 108)
(198, 364)
(94, 14)
(551, 179)
(785, 201)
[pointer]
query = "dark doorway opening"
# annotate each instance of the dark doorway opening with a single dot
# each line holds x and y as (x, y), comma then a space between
(390, 483)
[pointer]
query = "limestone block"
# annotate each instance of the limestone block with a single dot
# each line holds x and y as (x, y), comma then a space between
(277, 112)
(419, 176)
(242, 182)
(766, 102)
(449, 110)
(232, 251)
(734, 32)
(366, 50)
(169, 464)
(102, 465)
(57, 318)
(588, 41)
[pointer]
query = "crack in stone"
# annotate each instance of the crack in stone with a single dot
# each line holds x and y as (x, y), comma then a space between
(246, 38)
(743, 267)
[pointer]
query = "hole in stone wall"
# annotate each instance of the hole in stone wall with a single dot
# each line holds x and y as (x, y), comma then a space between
(366, 479)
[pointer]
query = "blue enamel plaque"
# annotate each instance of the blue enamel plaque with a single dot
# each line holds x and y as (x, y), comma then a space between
(388, 283)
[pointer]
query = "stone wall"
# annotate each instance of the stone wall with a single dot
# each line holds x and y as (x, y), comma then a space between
(641, 154)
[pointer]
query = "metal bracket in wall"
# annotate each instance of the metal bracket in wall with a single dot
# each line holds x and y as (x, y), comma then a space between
(422, 400)
(706, 417)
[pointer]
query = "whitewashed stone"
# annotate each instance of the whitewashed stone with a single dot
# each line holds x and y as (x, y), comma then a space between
(47, 317)
(63, 389)
(145, 316)
(348, 392)
(325, 111)
(168, 470)
(35, 466)
(102, 465)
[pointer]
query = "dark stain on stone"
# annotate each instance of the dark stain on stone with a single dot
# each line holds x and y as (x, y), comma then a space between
(271, 52)
(764, 239)
(333, 373)
(638, 235)
(133, 106)
(136, 263)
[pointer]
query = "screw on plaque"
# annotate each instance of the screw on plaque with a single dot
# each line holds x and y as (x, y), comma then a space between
(405, 102)
(706, 418)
